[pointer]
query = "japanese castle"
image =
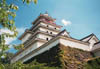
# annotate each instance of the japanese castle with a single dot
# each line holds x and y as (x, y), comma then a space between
(45, 34)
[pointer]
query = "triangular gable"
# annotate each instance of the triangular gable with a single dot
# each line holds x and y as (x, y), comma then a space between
(64, 33)
(94, 38)
(87, 38)
(90, 37)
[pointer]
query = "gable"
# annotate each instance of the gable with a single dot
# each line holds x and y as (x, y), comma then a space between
(90, 38)
(94, 39)
(65, 33)
(86, 39)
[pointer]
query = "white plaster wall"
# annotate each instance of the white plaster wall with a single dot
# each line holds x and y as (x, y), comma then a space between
(40, 44)
(49, 26)
(31, 48)
(54, 43)
(45, 30)
(43, 36)
(92, 41)
(65, 34)
(26, 37)
(43, 49)
(54, 27)
(74, 44)
(43, 24)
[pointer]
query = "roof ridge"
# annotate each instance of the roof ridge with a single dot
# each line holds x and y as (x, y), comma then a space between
(88, 36)
(60, 33)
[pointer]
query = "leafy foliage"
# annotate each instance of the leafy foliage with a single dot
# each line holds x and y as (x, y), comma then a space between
(7, 16)
(28, 1)
(2, 66)
(20, 46)
(92, 64)
(33, 65)
(7, 58)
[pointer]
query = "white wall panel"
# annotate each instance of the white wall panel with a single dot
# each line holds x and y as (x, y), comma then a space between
(74, 44)
(26, 37)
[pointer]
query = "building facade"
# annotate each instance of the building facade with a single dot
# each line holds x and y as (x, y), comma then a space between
(45, 34)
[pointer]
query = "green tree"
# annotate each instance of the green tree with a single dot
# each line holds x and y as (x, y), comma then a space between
(7, 16)
(33, 65)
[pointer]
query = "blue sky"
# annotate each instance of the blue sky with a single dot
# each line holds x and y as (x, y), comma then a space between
(84, 15)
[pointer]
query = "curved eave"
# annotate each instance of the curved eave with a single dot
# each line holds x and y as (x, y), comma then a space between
(27, 31)
(28, 45)
(44, 33)
(41, 16)
(47, 17)
(59, 26)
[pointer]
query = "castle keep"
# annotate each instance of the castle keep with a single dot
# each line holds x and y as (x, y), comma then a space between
(45, 34)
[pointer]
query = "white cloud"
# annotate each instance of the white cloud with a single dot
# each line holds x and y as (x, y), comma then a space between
(5, 31)
(9, 40)
(2, 56)
(20, 30)
(10, 46)
(65, 22)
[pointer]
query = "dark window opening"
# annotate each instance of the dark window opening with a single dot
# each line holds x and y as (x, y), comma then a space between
(47, 39)
(47, 26)
(50, 32)
(47, 31)
(55, 28)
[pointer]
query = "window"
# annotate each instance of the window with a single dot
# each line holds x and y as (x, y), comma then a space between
(50, 32)
(47, 26)
(47, 39)
(47, 31)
